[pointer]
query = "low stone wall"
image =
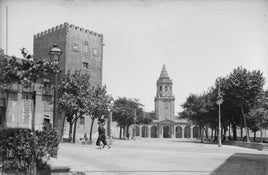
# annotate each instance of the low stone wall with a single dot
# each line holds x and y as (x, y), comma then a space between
(252, 145)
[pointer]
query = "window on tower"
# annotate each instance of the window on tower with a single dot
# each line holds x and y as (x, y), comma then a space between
(166, 88)
(76, 47)
(85, 47)
(160, 88)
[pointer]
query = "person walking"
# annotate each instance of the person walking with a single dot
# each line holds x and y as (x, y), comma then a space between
(101, 141)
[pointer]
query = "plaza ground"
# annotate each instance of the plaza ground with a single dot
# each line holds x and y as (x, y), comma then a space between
(163, 156)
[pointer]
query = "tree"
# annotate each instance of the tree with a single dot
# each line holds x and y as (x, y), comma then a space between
(98, 106)
(200, 109)
(124, 112)
(243, 88)
(8, 77)
(26, 71)
(75, 95)
(144, 117)
(258, 116)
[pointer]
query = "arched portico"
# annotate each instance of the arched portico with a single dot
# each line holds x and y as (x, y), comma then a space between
(166, 132)
(144, 131)
(187, 132)
(136, 131)
(195, 132)
(178, 132)
(154, 132)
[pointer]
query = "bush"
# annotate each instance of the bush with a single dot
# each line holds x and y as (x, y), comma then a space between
(19, 149)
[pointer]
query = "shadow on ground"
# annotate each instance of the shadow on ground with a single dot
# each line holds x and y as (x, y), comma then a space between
(243, 164)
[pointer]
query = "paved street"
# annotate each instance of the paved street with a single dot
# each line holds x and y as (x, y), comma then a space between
(163, 157)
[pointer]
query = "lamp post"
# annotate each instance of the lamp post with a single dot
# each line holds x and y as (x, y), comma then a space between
(219, 102)
(109, 123)
(54, 55)
(135, 122)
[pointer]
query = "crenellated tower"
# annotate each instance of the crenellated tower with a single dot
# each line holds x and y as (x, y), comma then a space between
(164, 100)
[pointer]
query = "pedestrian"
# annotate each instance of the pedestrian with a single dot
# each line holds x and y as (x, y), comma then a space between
(47, 126)
(101, 141)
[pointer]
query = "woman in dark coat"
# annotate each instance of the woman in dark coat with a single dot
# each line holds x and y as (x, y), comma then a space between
(102, 136)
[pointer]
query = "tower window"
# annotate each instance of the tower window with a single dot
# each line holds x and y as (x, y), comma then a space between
(85, 65)
(76, 47)
(160, 88)
(95, 52)
(85, 47)
(166, 88)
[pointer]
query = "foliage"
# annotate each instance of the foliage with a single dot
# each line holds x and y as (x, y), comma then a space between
(242, 91)
(24, 71)
(17, 145)
(144, 117)
(258, 116)
(74, 97)
(127, 111)
(99, 105)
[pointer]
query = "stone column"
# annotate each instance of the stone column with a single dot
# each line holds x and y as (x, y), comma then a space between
(174, 131)
(149, 131)
(160, 132)
(182, 131)
(140, 130)
(191, 131)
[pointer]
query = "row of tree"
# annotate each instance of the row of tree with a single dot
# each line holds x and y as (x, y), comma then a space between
(245, 104)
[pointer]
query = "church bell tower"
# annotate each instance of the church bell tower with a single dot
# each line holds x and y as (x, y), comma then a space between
(164, 100)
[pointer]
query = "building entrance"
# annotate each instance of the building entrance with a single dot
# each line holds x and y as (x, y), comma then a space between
(166, 132)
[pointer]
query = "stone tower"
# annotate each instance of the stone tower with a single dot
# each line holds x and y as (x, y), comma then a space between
(164, 100)
(82, 49)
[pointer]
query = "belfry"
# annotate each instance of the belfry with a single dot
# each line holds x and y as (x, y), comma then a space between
(165, 123)
(164, 100)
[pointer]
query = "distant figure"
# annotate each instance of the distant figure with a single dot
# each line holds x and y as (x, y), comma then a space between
(102, 137)
(47, 125)
(245, 138)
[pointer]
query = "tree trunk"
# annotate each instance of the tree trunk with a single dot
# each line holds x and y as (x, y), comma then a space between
(229, 131)
(62, 129)
(241, 133)
(124, 132)
(234, 132)
(120, 132)
(70, 130)
(206, 132)
(91, 128)
(254, 139)
(127, 132)
(202, 134)
(261, 134)
(212, 134)
(245, 123)
(75, 122)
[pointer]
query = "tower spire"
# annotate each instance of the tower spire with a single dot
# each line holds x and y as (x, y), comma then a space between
(164, 71)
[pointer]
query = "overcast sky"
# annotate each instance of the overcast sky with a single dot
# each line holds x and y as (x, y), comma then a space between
(197, 40)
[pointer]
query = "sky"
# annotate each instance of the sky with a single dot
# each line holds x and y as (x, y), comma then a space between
(197, 40)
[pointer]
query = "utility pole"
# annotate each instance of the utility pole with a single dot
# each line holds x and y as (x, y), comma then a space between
(6, 30)
(219, 102)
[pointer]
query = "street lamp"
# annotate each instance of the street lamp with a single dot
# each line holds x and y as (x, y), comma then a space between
(109, 123)
(219, 102)
(54, 55)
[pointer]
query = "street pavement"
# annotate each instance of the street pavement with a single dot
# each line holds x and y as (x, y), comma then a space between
(162, 157)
